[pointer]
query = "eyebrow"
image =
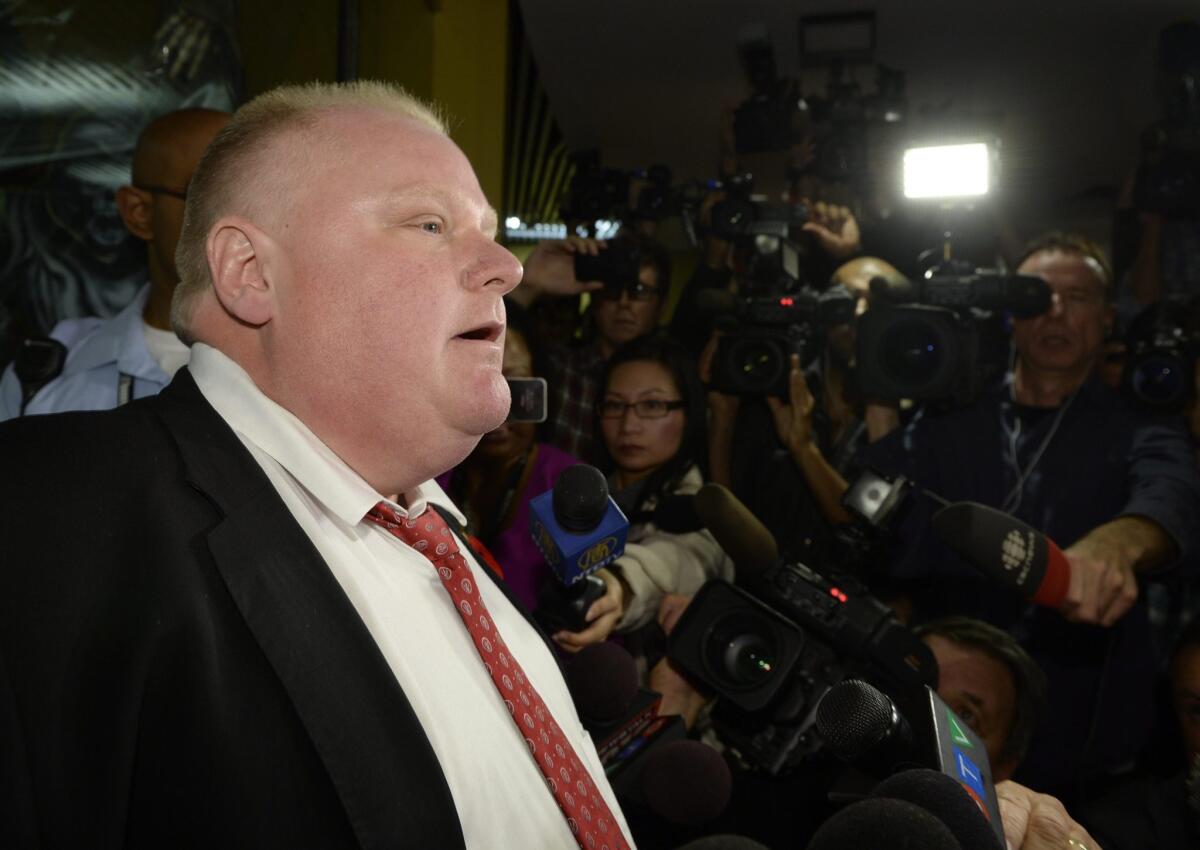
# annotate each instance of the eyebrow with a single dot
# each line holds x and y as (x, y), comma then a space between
(489, 220)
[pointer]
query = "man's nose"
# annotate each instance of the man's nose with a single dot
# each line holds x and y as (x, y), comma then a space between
(496, 267)
(1056, 305)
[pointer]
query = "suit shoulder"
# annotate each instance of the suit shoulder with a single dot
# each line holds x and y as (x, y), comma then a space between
(83, 440)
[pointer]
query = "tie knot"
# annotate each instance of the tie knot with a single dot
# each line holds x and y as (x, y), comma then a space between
(428, 533)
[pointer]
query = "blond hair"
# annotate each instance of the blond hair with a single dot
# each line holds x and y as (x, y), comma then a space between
(235, 172)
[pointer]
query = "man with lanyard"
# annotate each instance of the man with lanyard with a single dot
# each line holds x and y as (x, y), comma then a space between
(1116, 488)
(134, 353)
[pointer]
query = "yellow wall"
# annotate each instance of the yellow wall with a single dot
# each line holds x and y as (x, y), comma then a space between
(456, 56)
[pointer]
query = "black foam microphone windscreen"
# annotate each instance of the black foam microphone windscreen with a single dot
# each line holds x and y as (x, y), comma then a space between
(884, 824)
(603, 680)
(946, 800)
(740, 533)
(686, 782)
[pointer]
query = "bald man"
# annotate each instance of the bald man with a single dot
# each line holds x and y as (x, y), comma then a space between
(135, 353)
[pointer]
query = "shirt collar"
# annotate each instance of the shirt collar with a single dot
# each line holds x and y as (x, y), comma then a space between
(277, 432)
(121, 340)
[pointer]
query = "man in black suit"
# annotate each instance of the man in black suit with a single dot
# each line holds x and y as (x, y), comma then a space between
(203, 639)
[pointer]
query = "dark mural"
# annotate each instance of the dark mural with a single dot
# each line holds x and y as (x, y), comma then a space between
(78, 81)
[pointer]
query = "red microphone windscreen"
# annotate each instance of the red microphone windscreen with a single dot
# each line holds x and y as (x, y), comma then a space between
(1053, 589)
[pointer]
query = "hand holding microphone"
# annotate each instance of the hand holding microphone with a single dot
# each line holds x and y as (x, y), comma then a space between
(1091, 582)
(580, 530)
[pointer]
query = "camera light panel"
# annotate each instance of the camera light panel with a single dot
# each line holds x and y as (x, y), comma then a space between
(947, 171)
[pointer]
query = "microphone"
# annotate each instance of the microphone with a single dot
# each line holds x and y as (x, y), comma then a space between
(579, 529)
(1025, 296)
(882, 822)
(1006, 550)
(864, 726)
(603, 680)
(945, 799)
(686, 782)
(740, 533)
(616, 711)
(861, 725)
(723, 842)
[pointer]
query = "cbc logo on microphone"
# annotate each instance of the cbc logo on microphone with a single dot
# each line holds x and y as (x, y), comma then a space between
(1013, 551)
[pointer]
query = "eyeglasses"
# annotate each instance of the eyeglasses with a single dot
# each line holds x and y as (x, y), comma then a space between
(647, 408)
(153, 189)
(637, 291)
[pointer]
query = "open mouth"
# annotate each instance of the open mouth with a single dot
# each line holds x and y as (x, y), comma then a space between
(489, 332)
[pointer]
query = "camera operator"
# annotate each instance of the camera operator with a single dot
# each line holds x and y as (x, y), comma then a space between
(822, 427)
(618, 314)
(1057, 448)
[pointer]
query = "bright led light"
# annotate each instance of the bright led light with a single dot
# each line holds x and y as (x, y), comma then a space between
(946, 171)
(512, 222)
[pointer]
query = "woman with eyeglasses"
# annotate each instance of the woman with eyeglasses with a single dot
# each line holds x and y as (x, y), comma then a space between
(650, 422)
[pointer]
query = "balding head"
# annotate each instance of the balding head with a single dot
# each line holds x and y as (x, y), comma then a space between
(170, 147)
(167, 153)
(856, 276)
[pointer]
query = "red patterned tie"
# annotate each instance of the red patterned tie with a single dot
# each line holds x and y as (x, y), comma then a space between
(588, 816)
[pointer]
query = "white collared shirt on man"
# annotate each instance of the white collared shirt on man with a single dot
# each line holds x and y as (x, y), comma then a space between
(501, 797)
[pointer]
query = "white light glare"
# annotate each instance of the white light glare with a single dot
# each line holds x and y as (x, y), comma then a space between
(512, 222)
(946, 171)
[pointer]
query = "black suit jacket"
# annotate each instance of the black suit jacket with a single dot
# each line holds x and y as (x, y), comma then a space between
(178, 666)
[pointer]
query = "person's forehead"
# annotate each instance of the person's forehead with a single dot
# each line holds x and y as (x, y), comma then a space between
(1064, 268)
(971, 668)
(399, 158)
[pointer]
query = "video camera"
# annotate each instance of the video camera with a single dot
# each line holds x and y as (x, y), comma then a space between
(761, 333)
(1162, 345)
(943, 337)
(773, 647)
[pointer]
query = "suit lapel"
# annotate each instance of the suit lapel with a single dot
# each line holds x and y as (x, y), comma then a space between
(346, 695)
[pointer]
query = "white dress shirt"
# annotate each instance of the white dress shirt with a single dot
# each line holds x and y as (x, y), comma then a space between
(501, 797)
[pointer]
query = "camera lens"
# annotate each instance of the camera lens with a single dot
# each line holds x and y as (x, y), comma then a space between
(912, 352)
(1159, 380)
(740, 651)
(758, 364)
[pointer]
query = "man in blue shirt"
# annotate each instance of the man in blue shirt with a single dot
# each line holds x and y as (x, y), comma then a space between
(135, 353)
(1118, 489)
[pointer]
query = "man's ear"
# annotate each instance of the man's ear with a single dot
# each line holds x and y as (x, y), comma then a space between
(135, 208)
(237, 252)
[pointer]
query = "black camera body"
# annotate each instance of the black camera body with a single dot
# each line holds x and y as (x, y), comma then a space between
(617, 266)
(770, 664)
(943, 338)
(761, 333)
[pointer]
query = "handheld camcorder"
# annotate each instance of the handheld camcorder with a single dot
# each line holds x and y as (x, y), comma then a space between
(760, 334)
(772, 647)
(1162, 344)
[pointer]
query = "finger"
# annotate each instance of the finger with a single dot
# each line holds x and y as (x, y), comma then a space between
(1015, 802)
(819, 230)
(1049, 825)
(1124, 598)
(566, 640)
(604, 605)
